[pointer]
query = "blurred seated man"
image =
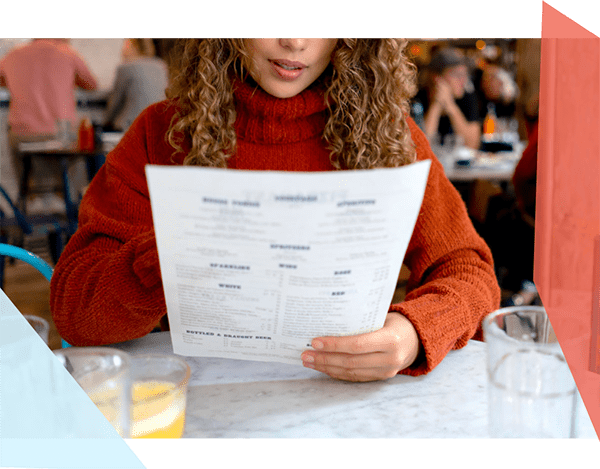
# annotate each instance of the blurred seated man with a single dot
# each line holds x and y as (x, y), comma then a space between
(41, 76)
(449, 101)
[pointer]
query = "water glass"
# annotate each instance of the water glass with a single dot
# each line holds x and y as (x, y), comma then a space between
(532, 393)
(40, 326)
(103, 373)
(159, 389)
(66, 133)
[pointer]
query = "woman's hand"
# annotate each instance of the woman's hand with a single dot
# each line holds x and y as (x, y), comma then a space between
(366, 357)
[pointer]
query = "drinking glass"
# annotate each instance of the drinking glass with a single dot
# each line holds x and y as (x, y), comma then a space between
(40, 325)
(64, 132)
(159, 388)
(103, 373)
(532, 393)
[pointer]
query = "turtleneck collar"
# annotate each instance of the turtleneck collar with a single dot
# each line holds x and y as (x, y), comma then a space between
(265, 119)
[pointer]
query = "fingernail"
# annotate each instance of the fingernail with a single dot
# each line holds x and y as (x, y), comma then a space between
(317, 344)
(308, 358)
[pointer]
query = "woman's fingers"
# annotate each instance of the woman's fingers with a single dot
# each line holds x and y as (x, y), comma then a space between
(353, 367)
(366, 357)
(360, 374)
(320, 361)
(355, 344)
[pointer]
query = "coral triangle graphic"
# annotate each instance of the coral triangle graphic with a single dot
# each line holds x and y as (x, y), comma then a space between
(568, 194)
(46, 419)
(557, 25)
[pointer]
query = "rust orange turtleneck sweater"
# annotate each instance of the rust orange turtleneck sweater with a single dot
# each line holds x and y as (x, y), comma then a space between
(107, 287)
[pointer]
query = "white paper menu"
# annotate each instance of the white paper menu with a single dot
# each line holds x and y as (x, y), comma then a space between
(255, 264)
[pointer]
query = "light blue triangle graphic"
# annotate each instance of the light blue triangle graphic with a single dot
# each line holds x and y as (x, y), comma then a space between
(46, 419)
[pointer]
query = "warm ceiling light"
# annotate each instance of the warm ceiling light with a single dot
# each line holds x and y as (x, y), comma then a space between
(415, 50)
(480, 44)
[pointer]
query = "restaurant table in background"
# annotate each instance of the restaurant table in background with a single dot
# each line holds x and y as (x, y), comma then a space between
(479, 175)
(498, 167)
(51, 150)
(110, 140)
(55, 150)
(248, 399)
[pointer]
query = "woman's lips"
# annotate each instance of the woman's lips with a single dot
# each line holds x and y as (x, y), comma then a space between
(287, 70)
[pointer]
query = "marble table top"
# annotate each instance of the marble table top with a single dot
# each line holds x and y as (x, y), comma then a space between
(247, 399)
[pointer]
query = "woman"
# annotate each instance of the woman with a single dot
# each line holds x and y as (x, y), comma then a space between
(288, 105)
(141, 81)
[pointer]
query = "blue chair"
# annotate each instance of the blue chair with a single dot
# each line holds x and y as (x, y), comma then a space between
(29, 257)
(32, 259)
(46, 225)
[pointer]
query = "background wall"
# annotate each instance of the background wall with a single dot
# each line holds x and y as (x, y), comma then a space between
(102, 56)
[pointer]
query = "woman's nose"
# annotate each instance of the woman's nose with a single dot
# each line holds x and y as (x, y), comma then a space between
(294, 44)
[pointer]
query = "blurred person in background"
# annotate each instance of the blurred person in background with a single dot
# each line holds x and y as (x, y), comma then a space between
(41, 76)
(528, 81)
(495, 86)
(510, 222)
(449, 101)
(140, 81)
(525, 175)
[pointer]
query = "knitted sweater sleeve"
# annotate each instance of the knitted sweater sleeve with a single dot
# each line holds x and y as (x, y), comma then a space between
(452, 285)
(106, 286)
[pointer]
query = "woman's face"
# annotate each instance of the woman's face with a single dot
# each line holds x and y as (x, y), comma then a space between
(286, 67)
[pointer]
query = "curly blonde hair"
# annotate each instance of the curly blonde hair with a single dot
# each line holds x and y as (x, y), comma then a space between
(367, 92)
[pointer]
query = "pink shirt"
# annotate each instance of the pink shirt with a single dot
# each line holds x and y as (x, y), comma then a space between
(41, 76)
